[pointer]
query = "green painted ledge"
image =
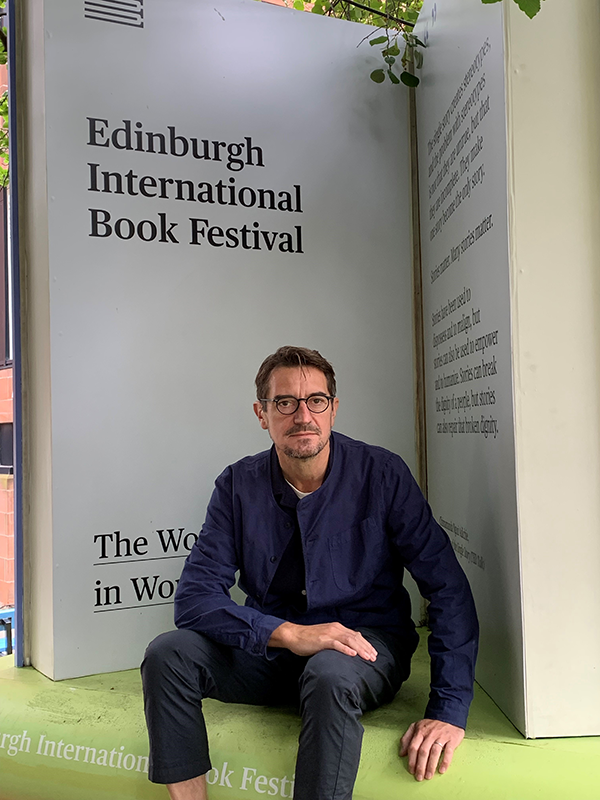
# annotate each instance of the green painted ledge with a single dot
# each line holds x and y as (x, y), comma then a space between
(100, 718)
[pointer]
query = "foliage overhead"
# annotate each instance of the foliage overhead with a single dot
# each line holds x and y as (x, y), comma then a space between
(530, 7)
(396, 18)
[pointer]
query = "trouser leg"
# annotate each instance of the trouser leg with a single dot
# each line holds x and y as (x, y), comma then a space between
(179, 670)
(335, 691)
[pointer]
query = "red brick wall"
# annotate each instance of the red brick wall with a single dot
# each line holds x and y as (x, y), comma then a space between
(6, 395)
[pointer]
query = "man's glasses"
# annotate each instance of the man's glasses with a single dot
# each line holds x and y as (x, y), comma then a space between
(316, 403)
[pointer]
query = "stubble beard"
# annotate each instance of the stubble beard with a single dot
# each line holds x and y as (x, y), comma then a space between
(309, 449)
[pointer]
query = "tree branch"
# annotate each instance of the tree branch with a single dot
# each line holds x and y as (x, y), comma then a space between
(375, 12)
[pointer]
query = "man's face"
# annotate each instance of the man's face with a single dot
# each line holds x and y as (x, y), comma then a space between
(303, 434)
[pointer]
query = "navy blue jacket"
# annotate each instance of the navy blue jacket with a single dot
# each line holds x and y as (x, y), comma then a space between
(364, 525)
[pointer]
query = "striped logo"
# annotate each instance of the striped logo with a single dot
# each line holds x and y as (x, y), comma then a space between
(121, 12)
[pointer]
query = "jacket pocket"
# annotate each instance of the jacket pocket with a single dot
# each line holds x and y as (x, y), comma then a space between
(357, 555)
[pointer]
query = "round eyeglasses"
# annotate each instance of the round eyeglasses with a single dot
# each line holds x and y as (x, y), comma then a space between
(316, 403)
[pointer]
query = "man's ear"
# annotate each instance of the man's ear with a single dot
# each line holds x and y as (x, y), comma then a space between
(334, 407)
(261, 414)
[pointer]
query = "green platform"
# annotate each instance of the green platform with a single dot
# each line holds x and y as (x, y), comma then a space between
(100, 718)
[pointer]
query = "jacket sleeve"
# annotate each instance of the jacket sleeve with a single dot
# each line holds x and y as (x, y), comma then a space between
(427, 553)
(203, 602)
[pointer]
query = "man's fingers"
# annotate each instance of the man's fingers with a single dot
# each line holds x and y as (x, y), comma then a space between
(366, 651)
(413, 751)
(430, 745)
(435, 751)
(342, 648)
(424, 760)
(357, 642)
(405, 740)
(447, 759)
(306, 640)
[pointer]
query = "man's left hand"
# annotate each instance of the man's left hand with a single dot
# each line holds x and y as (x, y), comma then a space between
(427, 741)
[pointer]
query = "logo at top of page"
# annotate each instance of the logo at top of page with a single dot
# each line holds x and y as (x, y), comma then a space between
(119, 12)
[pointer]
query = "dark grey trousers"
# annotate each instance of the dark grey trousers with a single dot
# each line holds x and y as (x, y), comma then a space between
(330, 689)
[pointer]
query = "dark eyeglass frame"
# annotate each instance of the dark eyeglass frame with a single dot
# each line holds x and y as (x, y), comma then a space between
(297, 401)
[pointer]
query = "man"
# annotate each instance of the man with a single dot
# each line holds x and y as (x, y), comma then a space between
(320, 528)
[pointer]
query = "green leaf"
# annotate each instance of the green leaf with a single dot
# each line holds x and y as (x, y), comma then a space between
(378, 76)
(394, 50)
(408, 79)
(393, 77)
(318, 9)
(530, 7)
(299, 5)
(418, 41)
(390, 60)
(418, 59)
(378, 40)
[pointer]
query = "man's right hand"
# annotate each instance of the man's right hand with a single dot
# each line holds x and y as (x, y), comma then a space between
(306, 640)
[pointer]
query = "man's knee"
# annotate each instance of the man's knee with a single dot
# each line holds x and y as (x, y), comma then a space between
(173, 651)
(164, 648)
(328, 675)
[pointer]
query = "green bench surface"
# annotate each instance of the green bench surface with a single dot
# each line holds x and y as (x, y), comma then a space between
(85, 739)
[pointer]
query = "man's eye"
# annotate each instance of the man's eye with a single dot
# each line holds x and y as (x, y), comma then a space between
(317, 402)
(285, 403)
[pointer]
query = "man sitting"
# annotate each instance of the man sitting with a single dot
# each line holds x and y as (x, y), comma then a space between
(320, 528)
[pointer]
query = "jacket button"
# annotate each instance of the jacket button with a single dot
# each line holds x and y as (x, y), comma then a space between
(273, 559)
(288, 524)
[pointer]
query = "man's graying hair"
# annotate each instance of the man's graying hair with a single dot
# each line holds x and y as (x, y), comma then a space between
(289, 356)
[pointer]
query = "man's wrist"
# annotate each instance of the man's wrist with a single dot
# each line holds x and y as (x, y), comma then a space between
(452, 714)
(281, 635)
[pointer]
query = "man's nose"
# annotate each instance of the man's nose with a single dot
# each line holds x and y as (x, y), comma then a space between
(302, 413)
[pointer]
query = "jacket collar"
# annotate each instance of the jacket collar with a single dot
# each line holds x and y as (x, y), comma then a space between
(282, 492)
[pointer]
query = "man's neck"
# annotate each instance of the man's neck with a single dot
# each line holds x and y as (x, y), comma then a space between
(305, 474)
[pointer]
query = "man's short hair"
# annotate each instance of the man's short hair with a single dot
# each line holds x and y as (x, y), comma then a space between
(289, 356)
